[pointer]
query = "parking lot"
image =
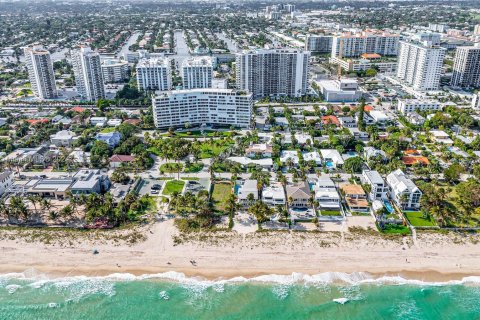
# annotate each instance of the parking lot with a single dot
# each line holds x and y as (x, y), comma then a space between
(151, 187)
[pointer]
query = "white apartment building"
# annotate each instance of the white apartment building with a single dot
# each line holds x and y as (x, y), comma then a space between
(466, 67)
(378, 187)
(403, 191)
(115, 70)
(6, 181)
(88, 74)
(225, 107)
(420, 64)
(318, 43)
(197, 72)
(406, 106)
(276, 72)
(154, 74)
(354, 45)
(40, 73)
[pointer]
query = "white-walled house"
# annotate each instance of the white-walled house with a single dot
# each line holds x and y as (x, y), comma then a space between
(245, 188)
(403, 190)
(326, 193)
(274, 194)
(378, 187)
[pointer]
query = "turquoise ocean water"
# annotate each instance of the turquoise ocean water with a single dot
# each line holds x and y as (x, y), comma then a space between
(174, 296)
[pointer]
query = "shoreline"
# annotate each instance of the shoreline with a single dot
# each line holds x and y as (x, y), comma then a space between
(409, 276)
(428, 257)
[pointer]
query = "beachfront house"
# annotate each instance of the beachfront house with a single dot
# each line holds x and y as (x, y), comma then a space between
(378, 187)
(245, 189)
(355, 197)
(6, 181)
(274, 194)
(326, 194)
(298, 195)
(403, 190)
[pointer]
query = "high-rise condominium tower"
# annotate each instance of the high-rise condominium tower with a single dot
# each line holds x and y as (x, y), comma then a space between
(88, 74)
(40, 73)
(466, 67)
(197, 72)
(278, 72)
(420, 64)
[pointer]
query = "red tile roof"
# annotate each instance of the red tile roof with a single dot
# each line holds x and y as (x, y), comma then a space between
(121, 158)
(330, 120)
(35, 121)
(133, 121)
(411, 160)
(77, 109)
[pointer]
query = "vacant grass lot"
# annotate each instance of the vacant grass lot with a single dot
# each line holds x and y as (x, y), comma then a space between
(173, 186)
(220, 194)
(416, 219)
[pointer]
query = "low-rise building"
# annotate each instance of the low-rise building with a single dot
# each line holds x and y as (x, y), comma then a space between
(259, 150)
(326, 194)
(355, 197)
(63, 138)
(98, 121)
(378, 187)
(331, 158)
(117, 160)
(110, 138)
(312, 156)
(6, 181)
(289, 155)
(347, 122)
(380, 118)
(441, 136)
(274, 194)
(344, 90)
(245, 188)
(298, 195)
(406, 106)
(403, 190)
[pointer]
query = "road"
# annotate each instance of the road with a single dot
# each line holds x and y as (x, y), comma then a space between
(133, 39)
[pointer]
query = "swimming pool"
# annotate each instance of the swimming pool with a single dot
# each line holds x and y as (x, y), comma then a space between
(329, 164)
(388, 206)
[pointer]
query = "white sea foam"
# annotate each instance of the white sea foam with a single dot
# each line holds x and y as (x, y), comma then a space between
(355, 278)
(341, 300)
(12, 288)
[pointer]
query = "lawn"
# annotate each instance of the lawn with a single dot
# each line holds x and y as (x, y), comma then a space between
(416, 219)
(194, 167)
(207, 133)
(173, 186)
(395, 229)
(330, 213)
(108, 130)
(209, 149)
(171, 167)
(220, 194)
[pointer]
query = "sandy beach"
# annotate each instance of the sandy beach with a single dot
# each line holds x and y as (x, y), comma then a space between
(428, 256)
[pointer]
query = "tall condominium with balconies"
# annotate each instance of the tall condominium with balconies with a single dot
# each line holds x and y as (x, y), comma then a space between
(87, 68)
(318, 43)
(154, 74)
(225, 107)
(354, 45)
(197, 72)
(466, 67)
(274, 73)
(40, 73)
(420, 64)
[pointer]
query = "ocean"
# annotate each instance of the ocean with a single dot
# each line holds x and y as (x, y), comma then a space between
(171, 295)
